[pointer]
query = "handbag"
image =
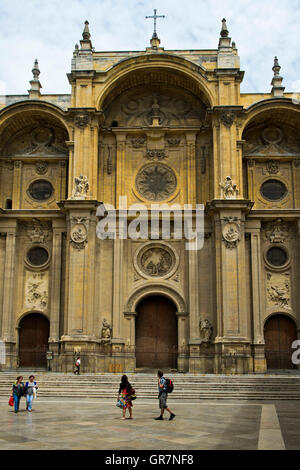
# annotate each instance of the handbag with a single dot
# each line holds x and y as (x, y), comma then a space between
(120, 403)
(11, 401)
(132, 395)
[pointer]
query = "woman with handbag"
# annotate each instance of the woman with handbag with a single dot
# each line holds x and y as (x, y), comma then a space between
(125, 390)
(18, 391)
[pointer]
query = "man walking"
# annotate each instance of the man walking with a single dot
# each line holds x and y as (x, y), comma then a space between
(163, 396)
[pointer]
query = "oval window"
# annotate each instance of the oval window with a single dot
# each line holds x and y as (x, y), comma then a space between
(273, 190)
(41, 190)
(37, 256)
(277, 256)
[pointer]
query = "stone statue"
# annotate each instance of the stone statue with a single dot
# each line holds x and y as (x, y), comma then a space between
(106, 331)
(206, 330)
(229, 189)
(81, 187)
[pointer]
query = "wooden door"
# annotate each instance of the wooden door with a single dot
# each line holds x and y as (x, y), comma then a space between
(156, 334)
(280, 332)
(33, 340)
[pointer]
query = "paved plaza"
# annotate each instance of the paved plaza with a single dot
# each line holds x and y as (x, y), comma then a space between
(199, 425)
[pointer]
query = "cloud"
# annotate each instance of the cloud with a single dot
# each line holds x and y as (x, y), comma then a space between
(48, 30)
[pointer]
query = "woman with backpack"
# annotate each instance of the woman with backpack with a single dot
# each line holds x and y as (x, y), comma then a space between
(125, 390)
(18, 391)
(31, 388)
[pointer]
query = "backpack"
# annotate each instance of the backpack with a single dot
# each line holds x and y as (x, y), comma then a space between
(169, 385)
(132, 394)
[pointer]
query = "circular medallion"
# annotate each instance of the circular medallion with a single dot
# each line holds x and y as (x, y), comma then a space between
(156, 182)
(272, 135)
(156, 260)
(42, 135)
(79, 233)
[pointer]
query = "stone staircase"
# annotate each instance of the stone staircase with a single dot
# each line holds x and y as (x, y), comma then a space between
(186, 386)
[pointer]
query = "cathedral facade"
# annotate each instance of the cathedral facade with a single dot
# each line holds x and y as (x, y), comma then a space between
(155, 126)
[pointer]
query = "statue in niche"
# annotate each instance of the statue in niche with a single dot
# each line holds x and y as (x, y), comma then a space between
(106, 331)
(81, 187)
(206, 330)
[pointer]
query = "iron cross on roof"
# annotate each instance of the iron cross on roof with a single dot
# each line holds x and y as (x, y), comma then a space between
(155, 16)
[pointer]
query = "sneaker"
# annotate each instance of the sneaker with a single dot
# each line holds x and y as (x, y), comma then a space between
(172, 416)
(160, 418)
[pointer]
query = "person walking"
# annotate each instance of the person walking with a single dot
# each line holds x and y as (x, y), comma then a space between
(31, 388)
(77, 364)
(125, 390)
(18, 391)
(163, 397)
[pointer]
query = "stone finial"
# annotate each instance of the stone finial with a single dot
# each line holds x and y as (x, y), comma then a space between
(35, 85)
(278, 89)
(224, 31)
(36, 71)
(155, 41)
(86, 32)
(86, 42)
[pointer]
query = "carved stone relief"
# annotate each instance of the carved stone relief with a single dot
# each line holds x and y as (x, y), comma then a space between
(138, 142)
(278, 289)
(273, 167)
(136, 110)
(41, 140)
(271, 140)
(38, 232)
(41, 167)
(231, 233)
(276, 232)
(81, 120)
(81, 188)
(79, 233)
(36, 291)
(156, 154)
(156, 182)
(156, 260)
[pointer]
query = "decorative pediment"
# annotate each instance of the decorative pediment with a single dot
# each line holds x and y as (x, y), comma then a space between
(273, 150)
(40, 141)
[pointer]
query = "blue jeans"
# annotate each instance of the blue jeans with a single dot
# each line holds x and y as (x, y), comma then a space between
(29, 399)
(16, 401)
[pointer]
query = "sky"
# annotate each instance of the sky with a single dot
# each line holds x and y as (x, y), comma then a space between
(47, 30)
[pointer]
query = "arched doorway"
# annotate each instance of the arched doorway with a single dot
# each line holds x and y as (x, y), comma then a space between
(156, 334)
(280, 332)
(33, 340)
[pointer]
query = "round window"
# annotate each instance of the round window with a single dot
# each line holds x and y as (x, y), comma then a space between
(40, 190)
(37, 256)
(277, 256)
(273, 190)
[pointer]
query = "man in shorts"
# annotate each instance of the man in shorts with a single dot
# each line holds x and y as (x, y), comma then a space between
(163, 396)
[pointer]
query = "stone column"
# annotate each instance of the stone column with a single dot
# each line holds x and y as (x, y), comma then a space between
(191, 167)
(183, 349)
(233, 337)
(9, 315)
(79, 337)
(130, 346)
(259, 361)
(118, 290)
(58, 227)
